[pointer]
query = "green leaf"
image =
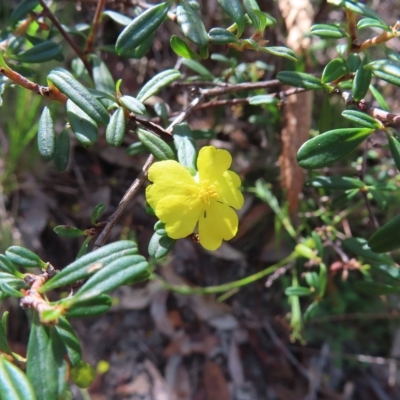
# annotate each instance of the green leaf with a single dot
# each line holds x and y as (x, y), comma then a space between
(360, 247)
(362, 119)
(12, 281)
(46, 138)
(280, 51)
(133, 104)
(70, 340)
(124, 270)
(387, 237)
(182, 49)
(84, 127)
(312, 280)
(329, 147)
(222, 36)
(4, 346)
(10, 291)
(160, 245)
(334, 70)
(372, 23)
(77, 93)
(61, 153)
(330, 182)
(136, 148)
(7, 266)
(379, 98)
(117, 17)
(300, 79)
(328, 31)
(97, 211)
(375, 288)
(353, 62)
(388, 70)
(359, 8)
(68, 231)
(362, 80)
(159, 228)
(262, 99)
(298, 291)
(258, 18)
(234, 9)
(89, 308)
(141, 28)
(157, 83)
(198, 68)
(394, 146)
(185, 145)
(83, 375)
(156, 146)
(44, 51)
(191, 24)
(24, 257)
(20, 12)
(86, 265)
(14, 385)
(102, 77)
(115, 131)
(45, 366)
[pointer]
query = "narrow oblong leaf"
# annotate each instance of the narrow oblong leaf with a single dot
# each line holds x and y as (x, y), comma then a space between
(68, 231)
(7, 266)
(362, 119)
(157, 83)
(335, 69)
(102, 77)
(89, 308)
(329, 147)
(222, 36)
(70, 340)
(360, 8)
(372, 23)
(185, 145)
(115, 131)
(388, 70)
(136, 148)
(198, 68)
(133, 104)
(191, 24)
(141, 28)
(10, 291)
(83, 267)
(386, 238)
(22, 10)
(4, 346)
(234, 9)
(156, 146)
(118, 17)
(84, 127)
(61, 153)
(127, 269)
(97, 211)
(353, 62)
(360, 247)
(160, 245)
(46, 138)
(300, 79)
(281, 51)
(44, 51)
(258, 18)
(376, 288)
(77, 93)
(362, 80)
(394, 146)
(24, 257)
(331, 182)
(14, 384)
(262, 99)
(298, 291)
(328, 31)
(182, 49)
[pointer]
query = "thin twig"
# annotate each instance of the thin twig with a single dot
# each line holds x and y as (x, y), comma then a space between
(219, 91)
(65, 35)
(95, 26)
(131, 192)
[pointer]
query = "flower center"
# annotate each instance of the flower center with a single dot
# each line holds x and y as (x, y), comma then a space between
(207, 191)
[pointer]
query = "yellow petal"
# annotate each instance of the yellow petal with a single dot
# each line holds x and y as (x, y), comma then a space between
(227, 189)
(212, 163)
(169, 178)
(217, 222)
(180, 214)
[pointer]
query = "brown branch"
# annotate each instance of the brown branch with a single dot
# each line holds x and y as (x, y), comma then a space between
(65, 35)
(352, 29)
(95, 26)
(50, 93)
(138, 182)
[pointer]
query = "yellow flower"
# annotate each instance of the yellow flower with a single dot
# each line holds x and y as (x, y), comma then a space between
(182, 201)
